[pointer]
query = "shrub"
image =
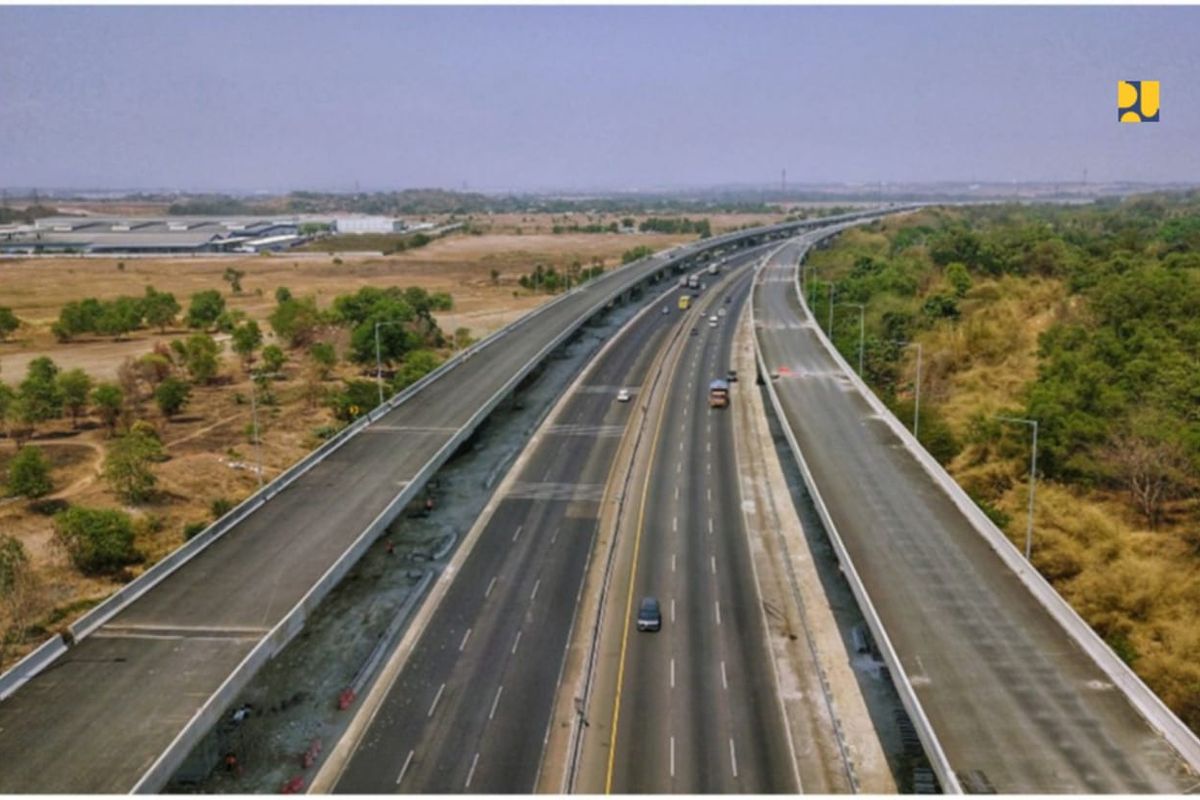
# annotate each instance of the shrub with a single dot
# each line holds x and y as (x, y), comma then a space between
(29, 474)
(220, 507)
(206, 307)
(127, 466)
(172, 395)
(98, 540)
(192, 529)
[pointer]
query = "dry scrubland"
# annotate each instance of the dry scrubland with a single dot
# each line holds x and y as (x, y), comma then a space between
(209, 447)
(1138, 586)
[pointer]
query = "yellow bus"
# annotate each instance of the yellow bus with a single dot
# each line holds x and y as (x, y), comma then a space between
(685, 300)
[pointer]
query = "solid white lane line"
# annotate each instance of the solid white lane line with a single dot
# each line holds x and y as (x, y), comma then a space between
(672, 756)
(717, 605)
(516, 642)
(713, 559)
(436, 697)
(491, 586)
(536, 584)
(672, 673)
(462, 645)
(724, 677)
(518, 533)
(404, 769)
(732, 756)
(471, 773)
(495, 702)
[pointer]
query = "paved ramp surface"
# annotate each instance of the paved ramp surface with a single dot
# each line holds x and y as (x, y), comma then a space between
(1013, 700)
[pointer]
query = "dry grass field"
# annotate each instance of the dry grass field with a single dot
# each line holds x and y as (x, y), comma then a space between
(209, 448)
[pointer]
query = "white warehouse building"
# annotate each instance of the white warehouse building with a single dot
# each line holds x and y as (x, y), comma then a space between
(368, 225)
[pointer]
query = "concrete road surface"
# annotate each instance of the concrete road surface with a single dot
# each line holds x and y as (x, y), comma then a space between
(698, 704)
(1014, 701)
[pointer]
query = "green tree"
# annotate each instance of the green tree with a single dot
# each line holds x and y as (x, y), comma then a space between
(172, 395)
(120, 316)
(107, 401)
(296, 321)
(959, 278)
(417, 365)
(206, 307)
(247, 338)
(8, 322)
(14, 565)
(74, 385)
(633, 254)
(324, 356)
(355, 399)
(19, 420)
(40, 390)
(233, 277)
(29, 474)
(273, 358)
(99, 541)
(282, 294)
(127, 466)
(160, 308)
(200, 356)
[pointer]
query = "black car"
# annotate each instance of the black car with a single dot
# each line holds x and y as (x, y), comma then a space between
(731, 376)
(649, 617)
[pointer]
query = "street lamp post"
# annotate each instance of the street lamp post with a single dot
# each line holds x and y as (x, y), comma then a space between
(862, 315)
(254, 422)
(1032, 479)
(916, 388)
(378, 360)
(831, 311)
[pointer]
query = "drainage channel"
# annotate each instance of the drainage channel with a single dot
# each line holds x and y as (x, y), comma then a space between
(301, 702)
(906, 758)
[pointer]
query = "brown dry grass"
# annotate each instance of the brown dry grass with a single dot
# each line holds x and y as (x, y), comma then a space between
(208, 441)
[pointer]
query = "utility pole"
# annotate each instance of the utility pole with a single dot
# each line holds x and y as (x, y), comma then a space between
(862, 314)
(378, 360)
(258, 467)
(831, 311)
(1032, 479)
(916, 387)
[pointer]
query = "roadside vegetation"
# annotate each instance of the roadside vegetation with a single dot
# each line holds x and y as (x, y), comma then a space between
(1086, 319)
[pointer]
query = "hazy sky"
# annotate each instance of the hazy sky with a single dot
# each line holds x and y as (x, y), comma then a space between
(620, 97)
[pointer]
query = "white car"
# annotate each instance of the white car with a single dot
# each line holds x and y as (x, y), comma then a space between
(623, 396)
(721, 311)
(713, 319)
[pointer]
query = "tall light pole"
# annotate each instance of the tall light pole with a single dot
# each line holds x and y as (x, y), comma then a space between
(862, 330)
(1032, 479)
(831, 311)
(916, 387)
(378, 360)
(254, 423)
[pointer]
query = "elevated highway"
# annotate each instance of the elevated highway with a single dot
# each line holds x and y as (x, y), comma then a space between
(1011, 692)
(143, 676)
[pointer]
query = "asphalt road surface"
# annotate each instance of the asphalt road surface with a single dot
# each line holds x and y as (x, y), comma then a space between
(116, 701)
(699, 710)
(469, 710)
(1013, 700)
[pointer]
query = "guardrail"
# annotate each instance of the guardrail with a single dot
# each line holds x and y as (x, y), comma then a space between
(1147, 703)
(48, 652)
(908, 696)
(293, 622)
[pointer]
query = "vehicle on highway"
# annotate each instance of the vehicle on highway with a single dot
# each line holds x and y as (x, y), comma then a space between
(712, 323)
(649, 616)
(713, 269)
(728, 299)
(695, 331)
(685, 301)
(713, 318)
(703, 285)
(718, 394)
(623, 396)
(721, 311)
(666, 310)
(693, 282)
(731, 375)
